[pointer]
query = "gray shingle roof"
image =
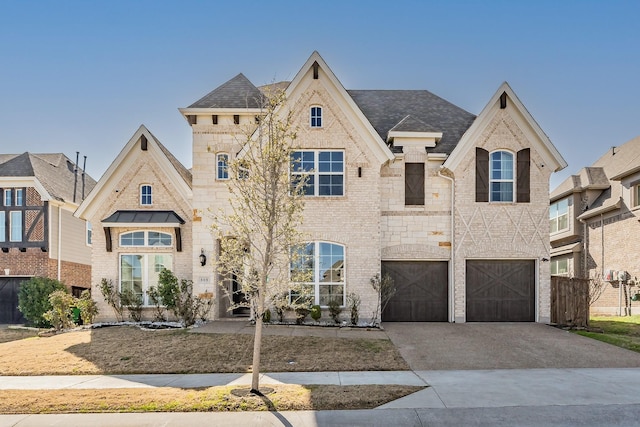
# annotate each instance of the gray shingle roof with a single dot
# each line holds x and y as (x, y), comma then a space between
(238, 92)
(54, 171)
(386, 108)
(412, 124)
(183, 171)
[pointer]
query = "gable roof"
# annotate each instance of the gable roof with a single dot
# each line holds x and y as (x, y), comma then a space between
(545, 148)
(386, 109)
(55, 172)
(175, 171)
(615, 164)
(238, 92)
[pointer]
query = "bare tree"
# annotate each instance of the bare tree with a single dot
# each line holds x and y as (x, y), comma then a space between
(259, 230)
(385, 289)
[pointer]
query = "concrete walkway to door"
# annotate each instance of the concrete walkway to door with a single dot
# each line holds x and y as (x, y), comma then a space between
(462, 346)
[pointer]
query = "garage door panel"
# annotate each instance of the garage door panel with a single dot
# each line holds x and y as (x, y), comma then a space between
(500, 290)
(421, 291)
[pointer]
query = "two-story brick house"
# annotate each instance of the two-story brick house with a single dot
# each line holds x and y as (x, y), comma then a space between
(453, 206)
(594, 221)
(39, 236)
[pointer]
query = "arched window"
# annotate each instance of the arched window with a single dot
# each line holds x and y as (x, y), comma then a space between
(146, 198)
(223, 166)
(316, 117)
(501, 176)
(145, 238)
(323, 265)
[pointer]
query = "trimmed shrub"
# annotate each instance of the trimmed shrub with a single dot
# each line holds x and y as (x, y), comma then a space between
(60, 315)
(316, 312)
(33, 299)
(87, 306)
(334, 310)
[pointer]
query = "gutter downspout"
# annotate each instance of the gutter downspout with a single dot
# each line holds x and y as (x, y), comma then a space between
(59, 241)
(453, 246)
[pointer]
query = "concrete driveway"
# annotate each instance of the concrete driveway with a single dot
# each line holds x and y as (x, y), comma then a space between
(453, 346)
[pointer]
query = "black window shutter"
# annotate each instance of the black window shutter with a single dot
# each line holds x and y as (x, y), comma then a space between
(523, 178)
(482, 175)
(414, 184)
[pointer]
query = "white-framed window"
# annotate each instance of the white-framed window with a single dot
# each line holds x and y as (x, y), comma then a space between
(146, 195)
(324, 263)
(19, 198)
(560, 266)
(222, 161)
(138, 272)
(559, 216)
(144, 238)
(635, 195)
(89, 233)
(3, 233)
(325, 171)
(15, 226)
(7, 196)
(501, 177)
(315, 116)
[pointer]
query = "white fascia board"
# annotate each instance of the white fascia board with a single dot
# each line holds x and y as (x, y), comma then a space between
(600, 210)
(21, 181)
(415, 135)
(437, 156)
(210, 111)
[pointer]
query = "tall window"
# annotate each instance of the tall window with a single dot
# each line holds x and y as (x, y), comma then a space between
(316, 117)
(15, 226)
(138, 272)
(3, 235)
(223, 166)
(7, 197)
(324, 263)
(636, 195)
(145, 238)
(19, 197)
(501, 176)
(89, 233)
(559, 216)
(325, 171)
(146, 195)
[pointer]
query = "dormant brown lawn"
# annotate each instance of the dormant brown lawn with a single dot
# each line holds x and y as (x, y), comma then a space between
(130, 350)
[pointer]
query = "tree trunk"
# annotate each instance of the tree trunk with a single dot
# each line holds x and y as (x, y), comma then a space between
(257, 343)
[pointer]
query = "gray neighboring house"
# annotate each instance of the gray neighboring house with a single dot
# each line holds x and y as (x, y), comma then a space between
(39, 236)
(594, 218)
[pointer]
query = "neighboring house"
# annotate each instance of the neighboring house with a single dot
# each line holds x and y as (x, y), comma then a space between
(141, 214)
(453, 206)
(39, 236)
(594, 223)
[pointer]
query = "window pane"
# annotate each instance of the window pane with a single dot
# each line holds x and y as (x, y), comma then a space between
(223, 166)
(7, 197)
(303, 261)
(331, 292)
(330, 185)
(501, 191)
(554, 225)
(331, 263)
(15, 232)
(145, 195)
(19, 198)
(135, 238)
(159, 239)
(131, 274)
(3, 236)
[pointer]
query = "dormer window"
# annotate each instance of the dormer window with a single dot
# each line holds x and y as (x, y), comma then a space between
(146, 198)
(316, 117)
(222, 161)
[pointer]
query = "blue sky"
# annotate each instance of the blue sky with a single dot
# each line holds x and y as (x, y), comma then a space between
(83, 75)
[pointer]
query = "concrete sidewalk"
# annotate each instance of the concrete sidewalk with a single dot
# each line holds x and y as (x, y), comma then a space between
(527, 397)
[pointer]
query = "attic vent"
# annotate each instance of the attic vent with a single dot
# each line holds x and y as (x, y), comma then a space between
(236, 119)
(503, 100)
(143, 143)
(214, 119)
(192, 119)
(315, 70)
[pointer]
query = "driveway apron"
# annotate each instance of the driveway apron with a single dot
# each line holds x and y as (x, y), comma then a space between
(455, 346)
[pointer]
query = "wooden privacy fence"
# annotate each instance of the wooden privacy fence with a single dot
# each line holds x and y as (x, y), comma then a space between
(569, 301)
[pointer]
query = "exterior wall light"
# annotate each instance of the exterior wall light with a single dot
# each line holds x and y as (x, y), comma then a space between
(203, 258)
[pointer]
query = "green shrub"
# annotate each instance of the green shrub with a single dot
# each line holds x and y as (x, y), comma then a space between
(266, 317)
(177, 296)
(133, 303)
(334, 310)
(111, 296)
(156, 300)
(316, 312)
(33, 299)
(60, 315)
(87, 306)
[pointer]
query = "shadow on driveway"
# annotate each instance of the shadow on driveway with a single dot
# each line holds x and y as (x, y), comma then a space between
(447, 346)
